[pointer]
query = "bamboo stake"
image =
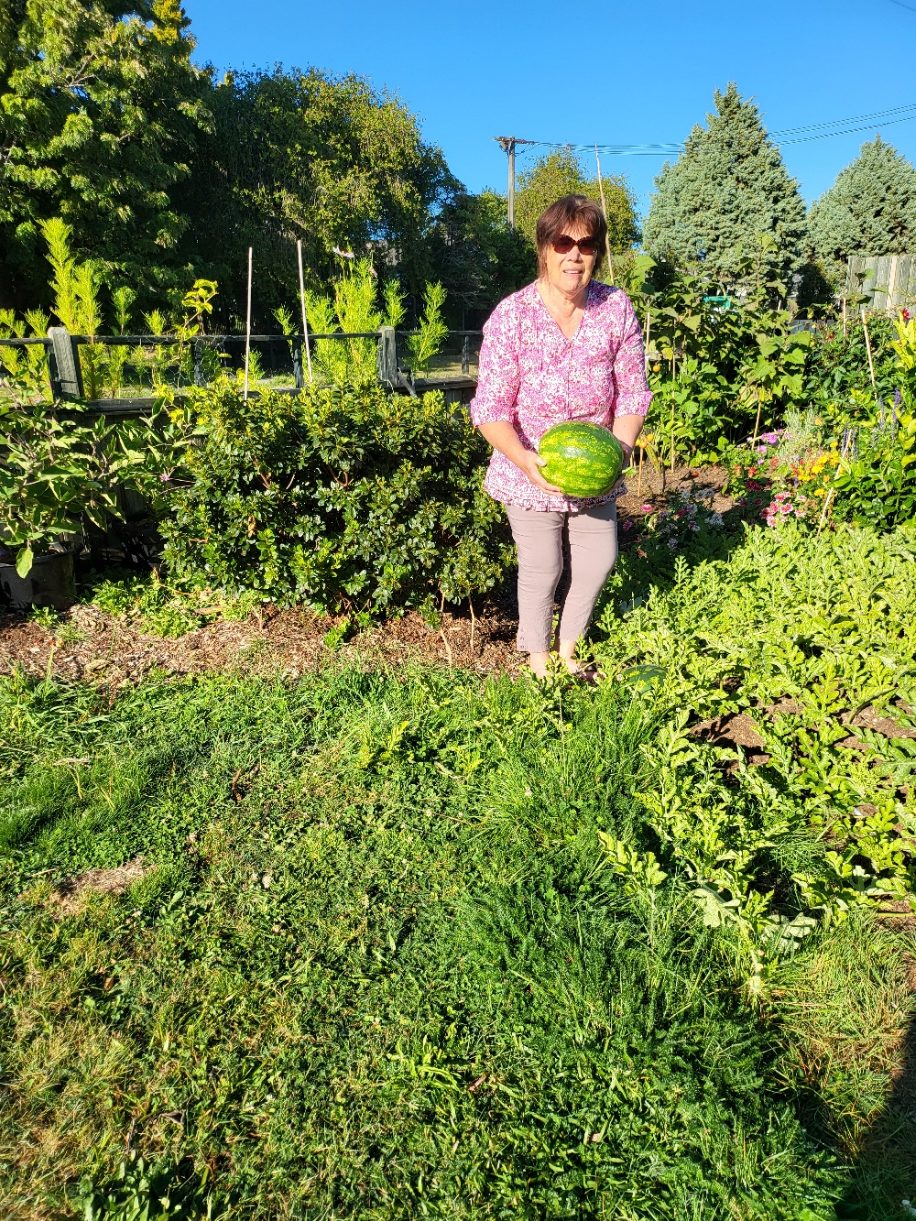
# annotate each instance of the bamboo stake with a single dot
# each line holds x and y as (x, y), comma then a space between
(757, 421)
(648, 336)
(672, 436)
(305, 326)
(248, 328)
(847, 441)
(871, 363)
(639, 473)
(607, 236)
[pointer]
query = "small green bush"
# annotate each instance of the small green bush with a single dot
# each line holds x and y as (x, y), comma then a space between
(342, 498)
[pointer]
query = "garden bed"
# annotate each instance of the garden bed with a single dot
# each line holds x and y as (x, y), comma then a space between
(88, 643)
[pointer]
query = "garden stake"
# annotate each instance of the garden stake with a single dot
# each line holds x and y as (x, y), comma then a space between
(757, 420)
(847, 438)
(871, 363)
(672, 435)
(639, 473)
(648, 333)
(607, 236)
(305, 325)
(247, 328)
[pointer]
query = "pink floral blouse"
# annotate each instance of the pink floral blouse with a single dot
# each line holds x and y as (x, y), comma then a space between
(530, 374)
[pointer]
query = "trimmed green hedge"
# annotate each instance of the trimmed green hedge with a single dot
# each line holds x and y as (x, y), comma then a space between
(345, 499)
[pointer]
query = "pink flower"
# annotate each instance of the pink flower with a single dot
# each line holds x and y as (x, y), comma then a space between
(646, 508)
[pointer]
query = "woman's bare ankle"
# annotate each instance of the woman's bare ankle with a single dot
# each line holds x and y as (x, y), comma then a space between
(539, 663)
(567, 651)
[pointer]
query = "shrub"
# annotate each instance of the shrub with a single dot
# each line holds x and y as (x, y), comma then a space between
(343, 498)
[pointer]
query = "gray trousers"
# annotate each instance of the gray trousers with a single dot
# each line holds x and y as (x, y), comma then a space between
(586, 542)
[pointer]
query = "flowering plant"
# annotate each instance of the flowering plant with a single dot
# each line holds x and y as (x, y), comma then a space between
(685, 514)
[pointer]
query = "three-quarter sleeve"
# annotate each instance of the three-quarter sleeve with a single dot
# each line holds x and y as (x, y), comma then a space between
(498, 375)
(633, 393)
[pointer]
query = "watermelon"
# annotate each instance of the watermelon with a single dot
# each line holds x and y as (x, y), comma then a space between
(582, 459)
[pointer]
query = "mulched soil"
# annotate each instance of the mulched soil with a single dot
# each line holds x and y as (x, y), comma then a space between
(106, 650)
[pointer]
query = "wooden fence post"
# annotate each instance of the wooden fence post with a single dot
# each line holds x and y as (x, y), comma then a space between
(64, 364)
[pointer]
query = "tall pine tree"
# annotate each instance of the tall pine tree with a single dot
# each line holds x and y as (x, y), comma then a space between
(100, 111)
(870, 209)
(728, 202)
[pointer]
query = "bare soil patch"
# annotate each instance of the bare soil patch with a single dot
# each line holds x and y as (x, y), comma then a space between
(68, 896)
(735, 731)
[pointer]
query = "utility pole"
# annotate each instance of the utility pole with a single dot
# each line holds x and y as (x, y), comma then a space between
(507, 144)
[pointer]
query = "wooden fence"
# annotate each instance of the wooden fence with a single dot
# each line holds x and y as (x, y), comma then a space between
(889, 279)
(62, 351)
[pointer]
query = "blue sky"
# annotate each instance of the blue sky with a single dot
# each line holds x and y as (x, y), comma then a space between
(639, 73)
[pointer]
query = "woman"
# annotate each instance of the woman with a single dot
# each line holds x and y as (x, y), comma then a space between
(563, 348)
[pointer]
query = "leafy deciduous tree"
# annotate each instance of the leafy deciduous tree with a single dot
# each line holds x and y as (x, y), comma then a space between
(100, 111)
(477, 257)
(298, 155)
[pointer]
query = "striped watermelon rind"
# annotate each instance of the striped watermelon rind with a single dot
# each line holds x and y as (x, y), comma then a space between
(582, 459)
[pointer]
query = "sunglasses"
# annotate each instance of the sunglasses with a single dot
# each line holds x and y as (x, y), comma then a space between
(564, 243)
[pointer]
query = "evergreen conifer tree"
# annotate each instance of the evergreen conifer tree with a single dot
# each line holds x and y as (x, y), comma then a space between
(870, 209)
(728, 202)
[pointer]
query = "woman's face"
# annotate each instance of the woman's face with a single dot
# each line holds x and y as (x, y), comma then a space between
(569, 271)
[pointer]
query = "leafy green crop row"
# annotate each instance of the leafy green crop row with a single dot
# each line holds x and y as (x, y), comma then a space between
(799, 636)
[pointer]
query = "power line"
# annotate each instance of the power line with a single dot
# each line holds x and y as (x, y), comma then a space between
(846, 130)
(855, 118)
(819, 131)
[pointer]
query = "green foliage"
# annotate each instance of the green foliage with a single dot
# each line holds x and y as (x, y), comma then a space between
(476, 256)
(342, 497)
(100, 112)
(24, 370)
(426, 341)
(353, 310)
(300, 155)
(728, 190)
(792, 636)
(158, 609)
(837, 375)
(62, 471)
(850, 457)
(876, 483)
(870, 209)
(714, 371)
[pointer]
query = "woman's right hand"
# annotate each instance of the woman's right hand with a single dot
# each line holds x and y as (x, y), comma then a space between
(530, 464)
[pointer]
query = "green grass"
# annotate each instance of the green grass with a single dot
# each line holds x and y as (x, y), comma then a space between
(375, 967)
(382, 964)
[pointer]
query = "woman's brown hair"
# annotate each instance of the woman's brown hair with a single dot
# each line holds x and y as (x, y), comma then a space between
(571, 211)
